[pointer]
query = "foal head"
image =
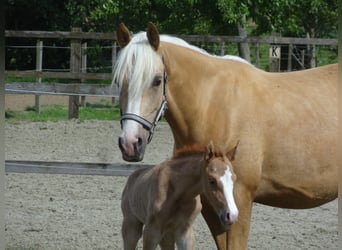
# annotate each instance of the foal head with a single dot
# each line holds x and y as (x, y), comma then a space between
(218, 180)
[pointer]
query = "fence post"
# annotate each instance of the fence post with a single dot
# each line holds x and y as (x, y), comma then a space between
(84, 69)
(75, 67)
(257, 55)
(114, 54)
(222, 48)
(289, 58)
(39, 68)
(275, 54)
(302, 53)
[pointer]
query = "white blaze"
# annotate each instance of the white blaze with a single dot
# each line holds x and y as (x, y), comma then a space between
(228, 185)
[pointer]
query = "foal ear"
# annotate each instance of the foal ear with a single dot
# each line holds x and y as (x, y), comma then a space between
(122, 35)
(153, 36)
(210, 151)
(232, 152)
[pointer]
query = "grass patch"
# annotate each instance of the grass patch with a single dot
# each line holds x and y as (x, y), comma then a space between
(60, 112)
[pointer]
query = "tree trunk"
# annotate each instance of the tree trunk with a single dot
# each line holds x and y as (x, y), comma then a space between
(243, 47)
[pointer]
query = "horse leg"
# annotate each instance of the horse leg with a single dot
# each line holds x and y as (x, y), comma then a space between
(131, 232)
(214, 224)
(238, 233)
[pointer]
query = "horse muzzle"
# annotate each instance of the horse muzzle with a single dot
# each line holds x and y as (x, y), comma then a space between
(132, 150)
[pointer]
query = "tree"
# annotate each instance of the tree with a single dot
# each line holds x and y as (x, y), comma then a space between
(306, 18)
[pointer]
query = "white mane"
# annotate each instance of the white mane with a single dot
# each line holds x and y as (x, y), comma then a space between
(181, 42)
(138, 62)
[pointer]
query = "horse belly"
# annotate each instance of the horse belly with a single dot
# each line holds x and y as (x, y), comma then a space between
(297, 179)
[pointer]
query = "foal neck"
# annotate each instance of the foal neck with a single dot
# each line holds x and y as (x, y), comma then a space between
(186, 175)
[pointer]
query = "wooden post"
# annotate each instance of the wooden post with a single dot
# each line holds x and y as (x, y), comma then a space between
(289, 58)
(302, 52)
(75, 67)
(84, 69)
(222, 48)
(312, 56)
(274, 58)
(39, 68)
(114, 55)
(275, 54)
(257, 55)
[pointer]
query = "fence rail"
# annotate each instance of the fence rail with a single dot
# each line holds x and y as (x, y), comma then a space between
(75, 168)
(70, 89)
(59, 75)
(188, 38)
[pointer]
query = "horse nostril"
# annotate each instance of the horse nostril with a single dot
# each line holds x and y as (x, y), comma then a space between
(138, 145)
(120, 142)
(140, 141)
(228, 217)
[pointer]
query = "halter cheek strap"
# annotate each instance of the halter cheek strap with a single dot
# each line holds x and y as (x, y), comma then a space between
(149, 126)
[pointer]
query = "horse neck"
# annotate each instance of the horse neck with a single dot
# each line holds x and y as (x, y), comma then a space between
(203, 93)
(193, 88)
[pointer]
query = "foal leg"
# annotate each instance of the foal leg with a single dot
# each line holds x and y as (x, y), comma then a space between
(167, 242)
(151, 237)
(185, 239)
(131, 232)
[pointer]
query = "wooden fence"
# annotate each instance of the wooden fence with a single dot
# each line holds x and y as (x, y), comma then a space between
(78, 168)
(78, 75)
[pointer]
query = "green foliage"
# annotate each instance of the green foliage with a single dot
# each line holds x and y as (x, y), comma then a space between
(316, 18)
(313, 18)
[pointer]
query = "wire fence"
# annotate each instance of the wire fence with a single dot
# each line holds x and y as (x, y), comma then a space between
(99, 57)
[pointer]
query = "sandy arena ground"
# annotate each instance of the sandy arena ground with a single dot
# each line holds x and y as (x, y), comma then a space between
(83, 212)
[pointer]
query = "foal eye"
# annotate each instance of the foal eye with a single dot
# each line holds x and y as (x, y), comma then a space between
(156, 81)
(212, 182)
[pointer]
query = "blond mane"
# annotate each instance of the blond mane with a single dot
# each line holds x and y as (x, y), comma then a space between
(139, 59)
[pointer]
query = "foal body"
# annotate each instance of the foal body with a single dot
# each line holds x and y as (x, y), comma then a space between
(166, 199)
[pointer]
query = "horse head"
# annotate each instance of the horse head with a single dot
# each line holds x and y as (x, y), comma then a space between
(218, 179)
(141, 76)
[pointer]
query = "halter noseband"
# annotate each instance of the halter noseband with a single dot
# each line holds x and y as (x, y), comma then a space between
(149, 126)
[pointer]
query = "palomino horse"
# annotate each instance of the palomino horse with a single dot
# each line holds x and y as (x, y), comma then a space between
(286, 123)
(166, 198)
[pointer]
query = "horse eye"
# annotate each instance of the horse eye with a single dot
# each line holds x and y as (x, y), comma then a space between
(156, 82)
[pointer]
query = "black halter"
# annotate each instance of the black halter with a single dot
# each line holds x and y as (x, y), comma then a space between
(150, 126)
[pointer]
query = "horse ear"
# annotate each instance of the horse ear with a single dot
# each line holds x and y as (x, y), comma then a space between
(153, 36)
(122, 35)
(232, 152)
(210, 151)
